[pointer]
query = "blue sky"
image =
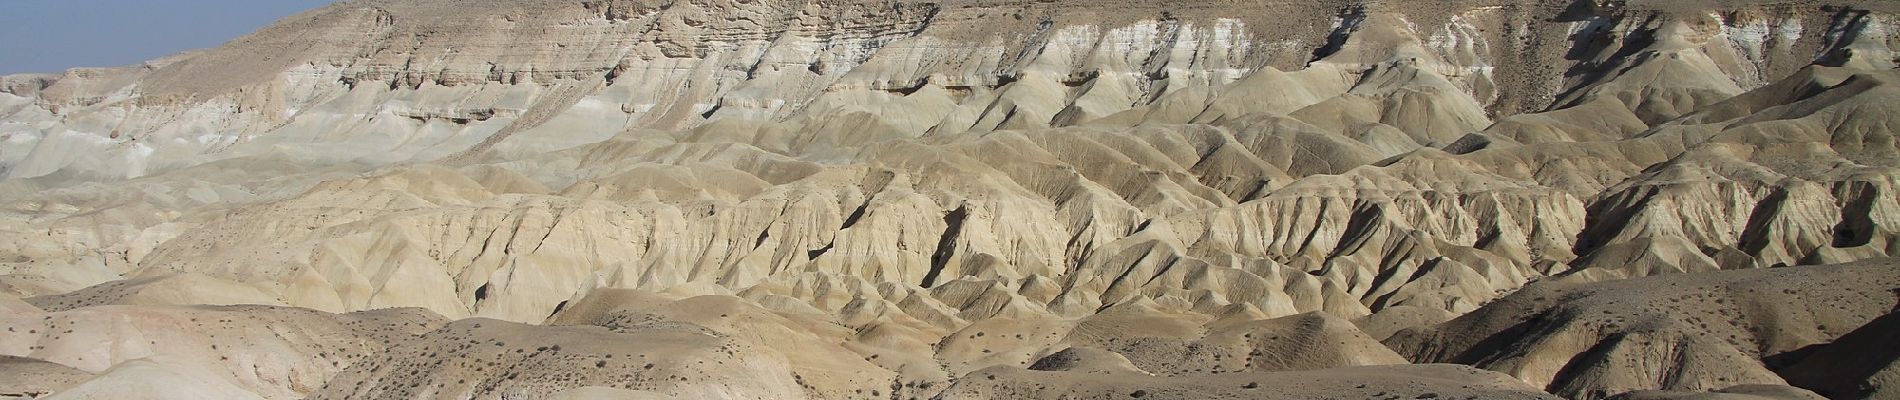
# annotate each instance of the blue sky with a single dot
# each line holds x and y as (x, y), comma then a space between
(53, 35)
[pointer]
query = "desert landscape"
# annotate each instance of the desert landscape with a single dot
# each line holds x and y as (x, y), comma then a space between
(968, 199)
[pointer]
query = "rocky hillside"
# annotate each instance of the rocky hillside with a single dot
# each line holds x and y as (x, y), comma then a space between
(1101, 187)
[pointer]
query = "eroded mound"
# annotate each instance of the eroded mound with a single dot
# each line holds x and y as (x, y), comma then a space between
(1383, 382)
(1696, 332)
(205, 352)
(22, 377)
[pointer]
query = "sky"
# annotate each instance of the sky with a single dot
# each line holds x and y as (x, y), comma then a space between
(53, 35)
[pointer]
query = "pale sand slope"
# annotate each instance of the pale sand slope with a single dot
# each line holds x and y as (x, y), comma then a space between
(1741, 392)
(727, 347)
(1434, 381)
(1693, 332)
(205, 352)
(22, 377)
(681, 345)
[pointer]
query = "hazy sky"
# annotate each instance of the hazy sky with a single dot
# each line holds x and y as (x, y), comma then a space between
(53, 35)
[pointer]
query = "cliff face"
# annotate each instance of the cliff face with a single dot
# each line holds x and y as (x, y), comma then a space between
(433, 79)
(926, 167)
(1378, 154)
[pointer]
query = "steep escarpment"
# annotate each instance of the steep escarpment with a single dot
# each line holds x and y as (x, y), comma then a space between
(419, 81)
(911, 194)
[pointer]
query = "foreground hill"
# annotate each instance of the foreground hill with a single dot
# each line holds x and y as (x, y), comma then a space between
(1694, 332)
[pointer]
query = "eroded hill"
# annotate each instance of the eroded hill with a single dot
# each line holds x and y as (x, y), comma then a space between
(917, 193)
